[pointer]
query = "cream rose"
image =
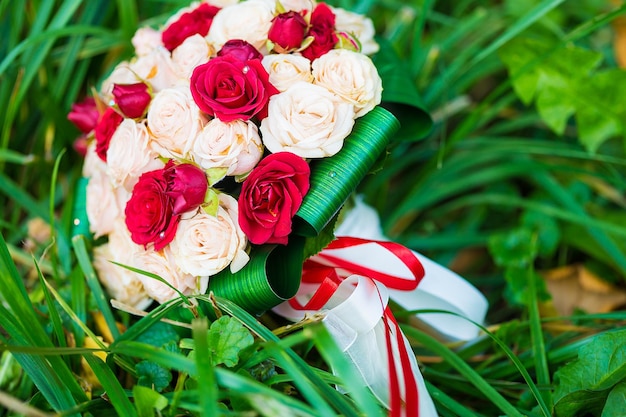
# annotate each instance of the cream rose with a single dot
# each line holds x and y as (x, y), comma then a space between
(156, 68)
(307, 120)
(104, 203)
(145, 40)
(254, 19)
(174, 120)
(205, 244)
(358, 26)
(194, 50)
(298, 5)
(350, 75)
(162, 264)
(235, 146)
(287, 69)
(129, 154)
(93, 163)
(121, 283)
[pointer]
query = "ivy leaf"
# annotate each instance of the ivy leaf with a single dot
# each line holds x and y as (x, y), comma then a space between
(563, 80)
(586, 383)
(227, 337)
(150, 374)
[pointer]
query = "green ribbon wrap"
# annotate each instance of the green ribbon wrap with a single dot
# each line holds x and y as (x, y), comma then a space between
(270, 277)
(334, 179)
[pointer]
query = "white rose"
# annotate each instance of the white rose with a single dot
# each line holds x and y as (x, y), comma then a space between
(121, 283)
(93, 163)
(194, 50)
(145, 40)
(104, 204)
(254, 19)
(298, 5)
(350, 75)
(204, 245)
(129, 154)
(162, 264)
(287, 69)
(174, 120)
(234, 145)
(358, 26)
(156, 69)
(307, 120)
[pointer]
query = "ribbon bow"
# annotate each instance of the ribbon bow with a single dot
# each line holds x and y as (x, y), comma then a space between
(354, 291)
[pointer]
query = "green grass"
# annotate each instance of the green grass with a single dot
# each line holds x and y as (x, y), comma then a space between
(488, 170)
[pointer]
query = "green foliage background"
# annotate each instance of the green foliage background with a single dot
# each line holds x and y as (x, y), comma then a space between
(523, 167)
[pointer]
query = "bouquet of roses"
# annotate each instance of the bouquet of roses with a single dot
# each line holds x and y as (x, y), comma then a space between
(236, 128)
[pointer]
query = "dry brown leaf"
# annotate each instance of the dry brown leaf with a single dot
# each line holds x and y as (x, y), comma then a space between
(619, 41)
(575, 287)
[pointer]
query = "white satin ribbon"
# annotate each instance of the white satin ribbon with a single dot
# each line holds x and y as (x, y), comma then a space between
(440, 289)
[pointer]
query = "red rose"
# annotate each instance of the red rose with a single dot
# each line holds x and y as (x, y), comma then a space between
(105, 129)
(271, 196)
(231, 89)
(132, 99)
(186, 186)
(150, 211)
(287, 31)
(240, 49)
(197, 21)
(323, 32)
(84, 115)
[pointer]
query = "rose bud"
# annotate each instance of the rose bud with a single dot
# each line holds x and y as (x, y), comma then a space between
(270, 197)
(197, 21)
(186, 186)
(322, 31)
(80, 145)
(240, 50)
(149, 212)
(104, 130)
(132, 99)
(84, 115)
(287, 31)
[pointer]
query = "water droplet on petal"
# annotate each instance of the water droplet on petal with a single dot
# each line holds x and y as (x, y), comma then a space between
(245, 69)
(162, 235)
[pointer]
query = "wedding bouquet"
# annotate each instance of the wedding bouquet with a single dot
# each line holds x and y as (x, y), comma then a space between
(235, 129)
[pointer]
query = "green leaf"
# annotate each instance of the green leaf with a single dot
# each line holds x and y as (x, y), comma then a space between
(513, 249)
(151, 374)
(159, 334)
(585, 384)
(614, 406)
(314, 245)
(227, 337)
(400, 94)
(563, 81)
(517, 290)
(546, 229)
(147, 400)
